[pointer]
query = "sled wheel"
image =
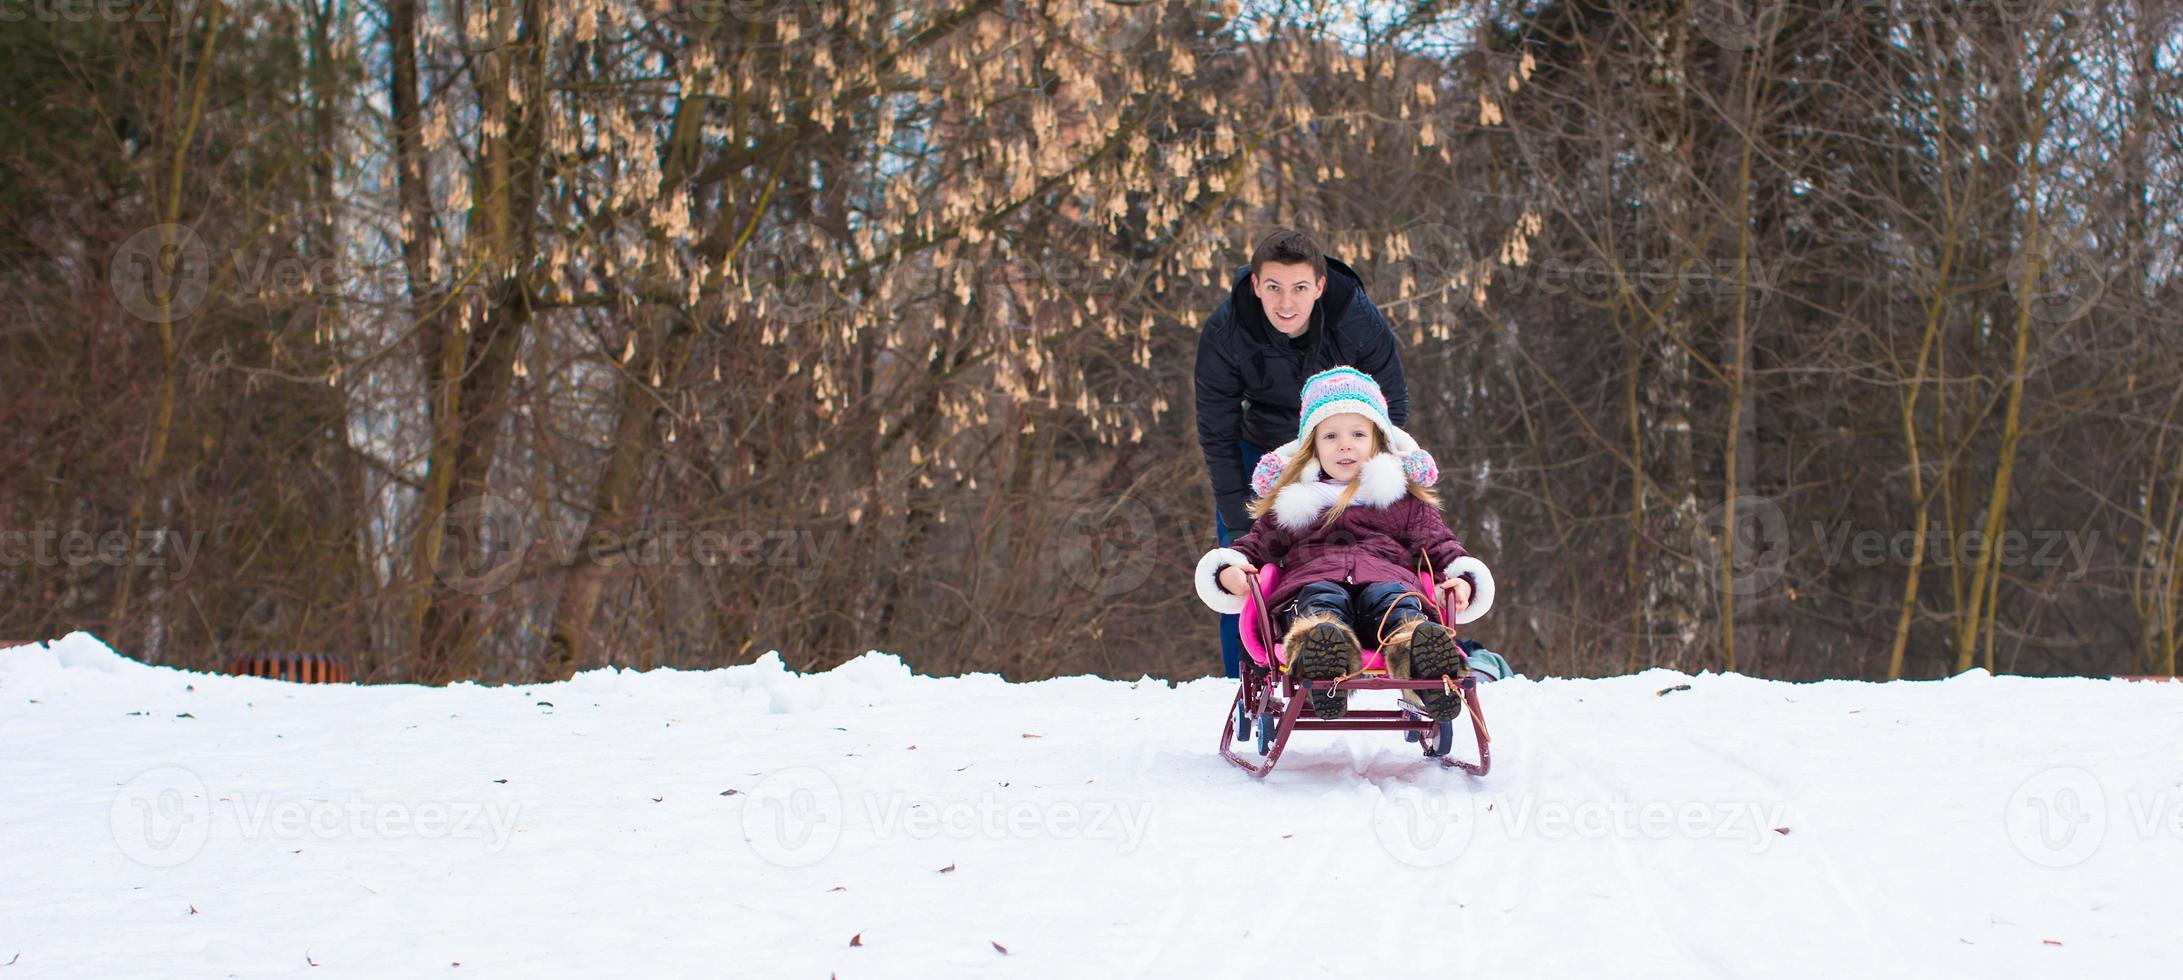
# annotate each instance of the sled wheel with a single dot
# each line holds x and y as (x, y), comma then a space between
(1243, 721)
(1267, 722)
(1410, 736)
(1441, 740)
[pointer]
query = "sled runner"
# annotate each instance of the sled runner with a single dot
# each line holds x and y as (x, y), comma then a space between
(1271, 704)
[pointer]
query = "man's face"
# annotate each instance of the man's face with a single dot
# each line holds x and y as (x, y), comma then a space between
(1287, 290)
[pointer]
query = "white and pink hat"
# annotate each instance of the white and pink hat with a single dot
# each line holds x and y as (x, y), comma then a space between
(1330, 393)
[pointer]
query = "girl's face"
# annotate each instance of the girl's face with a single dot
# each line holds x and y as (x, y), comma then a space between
(1342, 443)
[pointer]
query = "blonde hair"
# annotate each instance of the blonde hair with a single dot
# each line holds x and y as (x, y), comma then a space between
(1294, 471)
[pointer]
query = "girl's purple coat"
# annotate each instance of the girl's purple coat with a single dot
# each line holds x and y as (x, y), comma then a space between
(1365, 544)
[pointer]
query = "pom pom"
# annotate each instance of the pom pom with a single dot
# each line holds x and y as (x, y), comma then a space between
(1420, 468)
(1268, 470)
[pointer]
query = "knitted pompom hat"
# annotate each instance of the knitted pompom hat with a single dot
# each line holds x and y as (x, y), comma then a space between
(1330, 393)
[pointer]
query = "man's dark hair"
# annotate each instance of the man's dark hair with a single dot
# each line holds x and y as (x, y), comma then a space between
(1288, 246)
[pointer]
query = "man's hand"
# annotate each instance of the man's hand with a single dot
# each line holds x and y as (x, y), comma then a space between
(1231, 578)
(1455, 594)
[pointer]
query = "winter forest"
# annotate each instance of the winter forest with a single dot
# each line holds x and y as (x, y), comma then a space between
(455, 339)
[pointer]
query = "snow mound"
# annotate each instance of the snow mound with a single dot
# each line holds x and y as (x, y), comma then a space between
(866, 821)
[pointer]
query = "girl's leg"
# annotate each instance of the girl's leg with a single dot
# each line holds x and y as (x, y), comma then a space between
(1323, 598)
(1383, 608)
(1415, 647)
(1320, 645)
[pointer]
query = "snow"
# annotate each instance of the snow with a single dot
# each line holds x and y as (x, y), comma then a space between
(877, 823)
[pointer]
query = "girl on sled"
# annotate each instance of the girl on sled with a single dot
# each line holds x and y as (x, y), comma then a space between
(1353, 510)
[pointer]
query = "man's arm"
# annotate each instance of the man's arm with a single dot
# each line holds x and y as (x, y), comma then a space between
(1379, 355)
(1219, 391)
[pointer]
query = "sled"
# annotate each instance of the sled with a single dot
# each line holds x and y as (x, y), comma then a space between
(1273, 704)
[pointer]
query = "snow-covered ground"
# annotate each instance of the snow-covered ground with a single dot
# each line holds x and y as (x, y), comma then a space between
(867, 822)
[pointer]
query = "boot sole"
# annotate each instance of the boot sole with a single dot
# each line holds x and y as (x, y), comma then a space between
(1324, 654)
(1433, 655)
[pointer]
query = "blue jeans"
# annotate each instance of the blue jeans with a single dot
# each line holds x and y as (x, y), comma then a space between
(1231, 637)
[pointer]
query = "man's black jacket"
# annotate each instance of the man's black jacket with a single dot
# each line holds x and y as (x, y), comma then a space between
(1250, 377)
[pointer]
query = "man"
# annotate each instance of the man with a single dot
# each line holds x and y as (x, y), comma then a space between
(1292, 313)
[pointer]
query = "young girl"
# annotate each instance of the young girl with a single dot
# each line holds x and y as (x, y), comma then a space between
(1350, 512)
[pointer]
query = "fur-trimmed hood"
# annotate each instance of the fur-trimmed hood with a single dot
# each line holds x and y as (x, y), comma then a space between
(1380, 483)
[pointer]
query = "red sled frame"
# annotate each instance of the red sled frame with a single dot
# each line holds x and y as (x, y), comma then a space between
(1271, 702)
